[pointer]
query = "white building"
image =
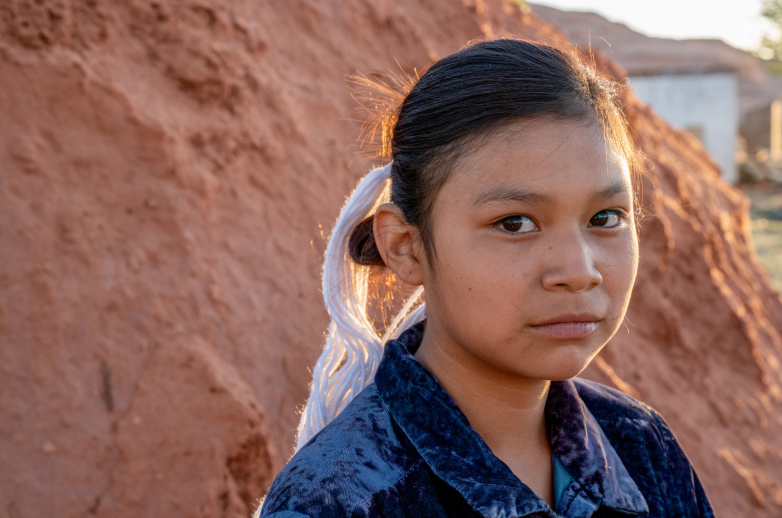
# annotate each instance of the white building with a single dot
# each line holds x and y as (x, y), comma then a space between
(703, 103)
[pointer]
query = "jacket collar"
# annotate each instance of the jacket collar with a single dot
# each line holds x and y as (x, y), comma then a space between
(456, 453)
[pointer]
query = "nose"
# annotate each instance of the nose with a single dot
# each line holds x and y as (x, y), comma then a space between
(572, 266)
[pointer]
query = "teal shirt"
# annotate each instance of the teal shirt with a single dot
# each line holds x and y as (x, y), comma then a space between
(562, 479)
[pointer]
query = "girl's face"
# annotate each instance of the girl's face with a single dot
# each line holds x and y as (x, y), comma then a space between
(535, 250)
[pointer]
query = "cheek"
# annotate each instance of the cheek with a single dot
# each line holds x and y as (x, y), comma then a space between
(484, 287)
(619, 268)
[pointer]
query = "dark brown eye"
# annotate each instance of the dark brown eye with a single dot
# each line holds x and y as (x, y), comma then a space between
(605, 219)
(518, 224)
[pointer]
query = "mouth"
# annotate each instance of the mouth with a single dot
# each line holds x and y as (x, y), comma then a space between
(568, 327)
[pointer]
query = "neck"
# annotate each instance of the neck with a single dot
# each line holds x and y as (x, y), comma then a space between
(502, 407)
(505, 409)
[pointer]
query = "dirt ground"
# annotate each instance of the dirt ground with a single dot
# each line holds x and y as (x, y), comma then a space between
(766, 213)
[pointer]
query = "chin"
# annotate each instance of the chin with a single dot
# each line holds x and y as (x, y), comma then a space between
(565, 373)
(562, 364)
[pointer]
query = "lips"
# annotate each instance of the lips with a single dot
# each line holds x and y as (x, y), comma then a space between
(569, 326)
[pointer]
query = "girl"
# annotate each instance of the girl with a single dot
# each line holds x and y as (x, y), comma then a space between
(512, 208)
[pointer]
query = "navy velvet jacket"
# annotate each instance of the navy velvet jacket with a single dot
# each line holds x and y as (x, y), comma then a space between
(402, 448)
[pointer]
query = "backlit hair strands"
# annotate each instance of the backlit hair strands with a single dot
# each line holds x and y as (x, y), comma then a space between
(379, 100)
(353, 348)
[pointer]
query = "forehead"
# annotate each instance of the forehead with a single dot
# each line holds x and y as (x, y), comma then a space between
(551, 157)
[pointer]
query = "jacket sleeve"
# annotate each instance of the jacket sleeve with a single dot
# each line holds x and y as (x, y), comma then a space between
(704, 507)
(684, 482)
(277, 514)
(284, 514)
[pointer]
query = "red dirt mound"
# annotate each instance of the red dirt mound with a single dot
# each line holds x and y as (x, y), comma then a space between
(167, 167)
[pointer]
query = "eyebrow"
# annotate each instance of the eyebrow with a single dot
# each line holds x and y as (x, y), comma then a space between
(504, 193)
(610, 191)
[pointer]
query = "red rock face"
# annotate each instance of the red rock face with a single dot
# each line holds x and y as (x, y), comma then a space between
(168, 172)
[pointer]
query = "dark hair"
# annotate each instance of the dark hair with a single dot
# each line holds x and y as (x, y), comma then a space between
(465, 98)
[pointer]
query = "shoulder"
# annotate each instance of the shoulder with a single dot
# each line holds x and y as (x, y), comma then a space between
(606, 402)
(357, 455)
(648, 449)
(622, 414)
(615, 408)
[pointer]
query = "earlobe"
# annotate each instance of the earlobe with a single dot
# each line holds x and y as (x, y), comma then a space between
(395, 240)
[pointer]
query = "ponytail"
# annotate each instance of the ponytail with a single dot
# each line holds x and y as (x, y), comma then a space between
(353, 348)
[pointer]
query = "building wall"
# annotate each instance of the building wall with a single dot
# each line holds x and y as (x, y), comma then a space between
(704, 104)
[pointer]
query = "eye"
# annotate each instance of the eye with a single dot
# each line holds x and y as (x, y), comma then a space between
(517, 224)
(606, 219)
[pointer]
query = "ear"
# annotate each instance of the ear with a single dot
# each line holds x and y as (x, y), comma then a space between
(397, 241)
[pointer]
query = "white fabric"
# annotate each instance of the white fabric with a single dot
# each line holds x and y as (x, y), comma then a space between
(353, 348)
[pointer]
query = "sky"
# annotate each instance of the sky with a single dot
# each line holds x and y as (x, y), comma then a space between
(737, 22)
